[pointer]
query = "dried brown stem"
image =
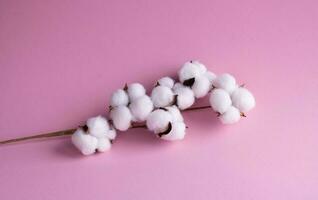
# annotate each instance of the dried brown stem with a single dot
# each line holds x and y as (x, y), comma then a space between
(71, 131)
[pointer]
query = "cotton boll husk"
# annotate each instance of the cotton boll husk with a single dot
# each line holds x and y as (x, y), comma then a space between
(103, 144)
(232, 115)
(226, 82)
(175, 113)
(135, 90)
(189, 70)
(210, 75)
(185, 97)
(243, 99)
(200, 66)
(85, 143)
(119, 98)
(97, 126)
(162, 96)
(111, 133)
(201, 86)
(177, 132)
(220, 100)
(166, 81)
(158, 120)
(140, 108)
(121, 117)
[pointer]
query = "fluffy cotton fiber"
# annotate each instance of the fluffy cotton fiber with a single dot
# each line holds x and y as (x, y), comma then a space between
(140, 108)
(162, 96)
(177, 132)
(191, 70)
(226, 82)
(119, 98)
(121, 117)
(201, 86)
(243, 99)
(220, 100)
(135, 90)
(97, 126)
(158, 120)
(185, 96)
(231, 116)
(166, 81)
(96, 136)
(85, 143)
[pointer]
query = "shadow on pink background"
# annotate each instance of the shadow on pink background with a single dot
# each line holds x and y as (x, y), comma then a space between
(60, 61)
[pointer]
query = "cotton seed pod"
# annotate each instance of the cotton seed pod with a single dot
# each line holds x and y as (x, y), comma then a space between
(190, 70)
(140, 108)
(177, 132)
(162, 96)
(220, 100)
(121, 118)
(231, 116)
(135, 90)
(166, 81)
(243, 99)
(201, 86)
(119, 98)
(185, 97)
(97, 126)
(103, 144)
(84, 142)
(158, 121)
(226, 82)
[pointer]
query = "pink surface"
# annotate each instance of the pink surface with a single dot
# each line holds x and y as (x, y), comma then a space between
(60, 61)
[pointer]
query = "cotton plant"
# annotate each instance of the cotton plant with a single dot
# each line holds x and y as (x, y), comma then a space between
(160, 112)
(96, 135)
(230, 101)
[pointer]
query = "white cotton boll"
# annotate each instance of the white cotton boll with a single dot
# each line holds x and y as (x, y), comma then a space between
(103, 144)
(158, 120)
(121, 117)
(185, 97)
(175, 113)
(200, 66)
(177, 86)
(210, 75)
(140, 108)
(232, 115)
(201, 86)
(111, 133)
(189, 70)
(243, 99)
(220, 100)
(162, 96)
(97, 126)
(178, 131)
(84, 142)
(226, 82)
(166, 81)
(135, 90)
(119, 98)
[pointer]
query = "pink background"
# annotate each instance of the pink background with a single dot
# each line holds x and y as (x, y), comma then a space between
(60, 61)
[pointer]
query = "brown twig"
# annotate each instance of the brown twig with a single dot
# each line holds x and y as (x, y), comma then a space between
(71, 131)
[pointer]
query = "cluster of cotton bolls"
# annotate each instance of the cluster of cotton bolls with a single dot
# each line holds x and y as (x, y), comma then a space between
(128, 105)
(96, 135)
(167, 123)
(161, 111)
(229, 100)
